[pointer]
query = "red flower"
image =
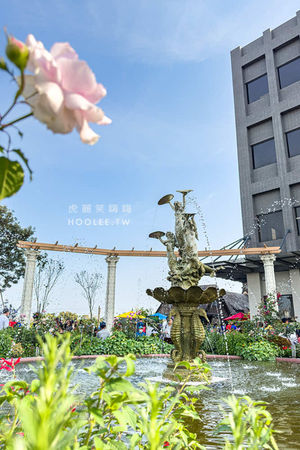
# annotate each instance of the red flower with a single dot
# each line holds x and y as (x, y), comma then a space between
(9, 369)
(9, 365)
(166, 444)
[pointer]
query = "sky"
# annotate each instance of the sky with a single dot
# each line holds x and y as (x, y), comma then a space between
(166, 67)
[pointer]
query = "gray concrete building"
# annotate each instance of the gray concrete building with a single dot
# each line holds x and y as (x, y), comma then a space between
(266, 85)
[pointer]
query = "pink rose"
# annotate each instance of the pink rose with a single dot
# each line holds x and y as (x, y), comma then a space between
(63, 90)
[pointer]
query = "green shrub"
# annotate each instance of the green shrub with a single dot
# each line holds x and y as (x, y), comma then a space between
(250, 347)
(27, 337)
(83, 344)
(216, 342)
(282, 342)
(5, 344)
(118, 344)
(261, 350)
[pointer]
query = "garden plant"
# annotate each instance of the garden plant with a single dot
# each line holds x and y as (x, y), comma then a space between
(47, 414)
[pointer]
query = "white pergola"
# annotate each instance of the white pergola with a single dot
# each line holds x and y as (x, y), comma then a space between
(32, 250)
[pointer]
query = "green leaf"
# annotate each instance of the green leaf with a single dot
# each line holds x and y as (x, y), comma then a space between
(24, 159)
(16, 385)
(99, 445)
(98, 416)
(35, 384)
(135, 438)
(130, 369)
(126, 416)
(119, 384)
(11, 177)
(185, 364)
(199, 387)
(3, 398)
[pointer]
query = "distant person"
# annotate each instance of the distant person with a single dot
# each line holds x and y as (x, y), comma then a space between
(139, 332)
(68, 326)
(149, 330)
(103, 333)
(166, 330)
(4, 320)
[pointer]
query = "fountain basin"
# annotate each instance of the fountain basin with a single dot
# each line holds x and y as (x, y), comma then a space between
(273, 382)
(193, 296)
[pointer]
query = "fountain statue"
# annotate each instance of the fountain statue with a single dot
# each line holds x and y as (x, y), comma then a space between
(185, 296)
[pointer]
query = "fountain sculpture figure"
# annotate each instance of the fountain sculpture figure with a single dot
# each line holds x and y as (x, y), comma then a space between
(185, 296)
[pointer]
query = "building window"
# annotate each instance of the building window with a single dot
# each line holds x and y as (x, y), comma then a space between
(270, 226)
(297, 215)
(257, 88)
(263, 153)
(293, 142)
(289, 73)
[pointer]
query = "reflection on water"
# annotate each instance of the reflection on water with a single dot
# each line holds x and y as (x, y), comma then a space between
(276, 383)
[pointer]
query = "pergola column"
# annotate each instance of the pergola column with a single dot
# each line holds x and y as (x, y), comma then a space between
(271, 291)
(31, 256)
(110, 290)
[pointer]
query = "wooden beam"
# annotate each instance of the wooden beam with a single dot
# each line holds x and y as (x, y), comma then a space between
(151, 253)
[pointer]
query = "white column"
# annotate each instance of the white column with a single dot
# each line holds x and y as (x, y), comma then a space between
(110, 290)
(254, 292)
(295, 285)
(31, 256)
(270, 281)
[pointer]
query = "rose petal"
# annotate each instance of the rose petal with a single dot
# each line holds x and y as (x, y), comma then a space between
(41, 61)
(54, 96)
(63, 50)
(105, 121)
(47, 106)
(63, 122)
(87, 135)
(63, 90)
(90, 112)
(78, 78)
(77, 101)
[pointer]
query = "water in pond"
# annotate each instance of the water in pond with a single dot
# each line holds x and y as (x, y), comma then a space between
(276, 383)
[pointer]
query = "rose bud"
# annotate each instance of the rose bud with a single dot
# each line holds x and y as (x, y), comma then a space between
(17, 52)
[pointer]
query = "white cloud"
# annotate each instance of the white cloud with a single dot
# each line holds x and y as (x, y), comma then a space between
(190, 30)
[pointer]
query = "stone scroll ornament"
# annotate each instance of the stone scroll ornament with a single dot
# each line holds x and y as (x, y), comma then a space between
(185, 272)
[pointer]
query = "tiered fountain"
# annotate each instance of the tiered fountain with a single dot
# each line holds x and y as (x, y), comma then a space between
(185, 272)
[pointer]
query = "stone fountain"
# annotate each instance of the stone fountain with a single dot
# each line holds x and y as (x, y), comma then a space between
(185, 272)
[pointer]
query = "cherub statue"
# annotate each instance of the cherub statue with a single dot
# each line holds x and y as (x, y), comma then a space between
(178, 208)
(170, 244)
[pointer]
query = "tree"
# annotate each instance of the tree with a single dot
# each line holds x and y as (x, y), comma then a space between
(48, 273)
(12, 260)
(90, 284)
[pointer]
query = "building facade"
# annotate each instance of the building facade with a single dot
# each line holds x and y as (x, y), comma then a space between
(266, 85)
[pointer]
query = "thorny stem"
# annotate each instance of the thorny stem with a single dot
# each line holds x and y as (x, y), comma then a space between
(15, 121)
(18, 93)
